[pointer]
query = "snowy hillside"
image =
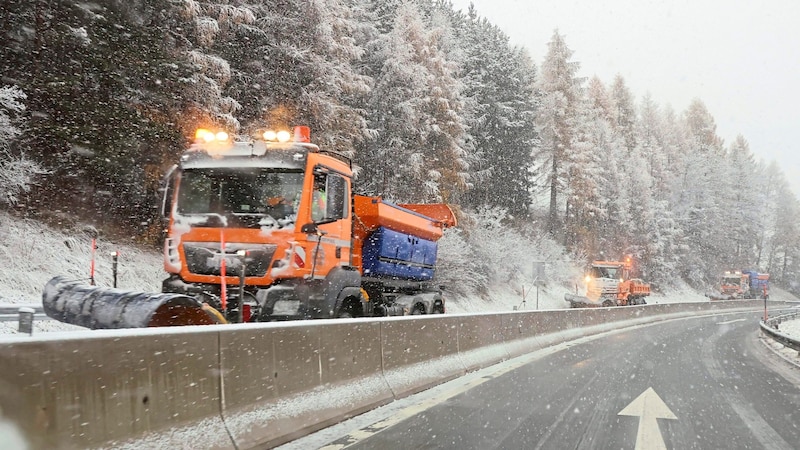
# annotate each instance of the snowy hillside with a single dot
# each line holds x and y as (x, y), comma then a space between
(33, 253)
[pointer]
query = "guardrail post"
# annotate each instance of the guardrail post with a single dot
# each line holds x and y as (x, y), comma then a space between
(114, 262)
(26, 320)
(91, 265)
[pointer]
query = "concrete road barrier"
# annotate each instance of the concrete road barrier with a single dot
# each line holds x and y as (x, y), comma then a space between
(93, 390)
(285, 381)
(419, 352)
(520, 333)
(260, 385)
(481, 341)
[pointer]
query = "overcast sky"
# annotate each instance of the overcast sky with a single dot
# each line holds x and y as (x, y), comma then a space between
(741, 58)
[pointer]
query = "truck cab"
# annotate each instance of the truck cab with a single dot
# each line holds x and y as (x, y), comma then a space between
(609, 283)
(734, 284)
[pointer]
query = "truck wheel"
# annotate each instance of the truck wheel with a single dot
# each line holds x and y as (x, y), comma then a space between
(418, 309)
(608, 303)
(351, 307)
(344, 313)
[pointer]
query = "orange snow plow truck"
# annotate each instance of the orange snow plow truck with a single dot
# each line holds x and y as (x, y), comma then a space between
(269, 229)
(608, 283)
(278, 217)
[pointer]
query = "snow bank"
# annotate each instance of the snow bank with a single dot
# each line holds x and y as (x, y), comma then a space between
(791, 328)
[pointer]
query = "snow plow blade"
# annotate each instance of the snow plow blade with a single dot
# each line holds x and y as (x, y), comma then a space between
(579, 301)
(107, 308)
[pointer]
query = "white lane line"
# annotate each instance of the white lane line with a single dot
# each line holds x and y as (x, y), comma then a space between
(731, 321)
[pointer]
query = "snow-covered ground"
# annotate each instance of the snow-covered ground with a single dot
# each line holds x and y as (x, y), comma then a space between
(791, 328)
(33, 253)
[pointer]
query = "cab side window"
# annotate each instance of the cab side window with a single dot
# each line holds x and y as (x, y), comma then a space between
(338, 200)
(319, 198)
(329, 198)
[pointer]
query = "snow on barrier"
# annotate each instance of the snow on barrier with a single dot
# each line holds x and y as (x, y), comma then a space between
(260, 385)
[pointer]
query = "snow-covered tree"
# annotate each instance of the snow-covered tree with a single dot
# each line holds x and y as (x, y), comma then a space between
(592, 178)
(743, 201)
(298, 67)
(17, 172)
(700, 215)
(414, 112)
(11, 106)
(561, 92)
(624, 112)
(500, 108)
(101, 85)
(212, 26)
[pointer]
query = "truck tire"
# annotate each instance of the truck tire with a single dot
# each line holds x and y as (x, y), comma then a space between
(608, 303)
(344, 314)
(350, 307)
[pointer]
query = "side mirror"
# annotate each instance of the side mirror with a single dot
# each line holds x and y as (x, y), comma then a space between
(309, 228)
(167, 189)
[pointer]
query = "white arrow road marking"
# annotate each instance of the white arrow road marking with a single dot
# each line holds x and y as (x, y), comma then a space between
(731, 321)
(648, 407)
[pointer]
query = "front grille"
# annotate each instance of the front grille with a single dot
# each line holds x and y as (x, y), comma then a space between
(205, 258)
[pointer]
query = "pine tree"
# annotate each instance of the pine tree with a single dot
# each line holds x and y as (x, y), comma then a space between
(624, 111)
(501, 104)
(101, 81)
(560, 90)
(205, 30)
(414, 112)
(703, 218)
(744, 201)
(17, 171)
(592, 178)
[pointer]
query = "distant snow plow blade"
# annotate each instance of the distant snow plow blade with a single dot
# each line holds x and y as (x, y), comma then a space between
(106, 308)
(579, 301)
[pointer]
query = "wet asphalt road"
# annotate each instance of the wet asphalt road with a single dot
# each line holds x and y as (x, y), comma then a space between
(722, 387)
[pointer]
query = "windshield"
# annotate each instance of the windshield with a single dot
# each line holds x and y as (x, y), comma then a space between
(605, 272)
(248, 197)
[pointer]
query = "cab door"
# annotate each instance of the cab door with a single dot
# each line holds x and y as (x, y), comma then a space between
(331, 213)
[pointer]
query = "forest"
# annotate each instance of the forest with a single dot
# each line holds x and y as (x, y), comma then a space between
(98, 99)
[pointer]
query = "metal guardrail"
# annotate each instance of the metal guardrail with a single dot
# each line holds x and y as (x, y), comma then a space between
(772, 329)
(13, 308)
(15, 317)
